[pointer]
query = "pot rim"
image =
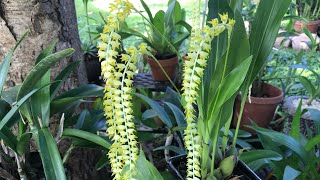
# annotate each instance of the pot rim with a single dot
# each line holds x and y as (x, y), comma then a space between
(240, 165)
(167, 59)
(310, 22)
(266, 100)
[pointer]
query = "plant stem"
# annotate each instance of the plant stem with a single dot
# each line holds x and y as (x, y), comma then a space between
(67, 154)
(165, 73)
(166, 151)
(87, 18)
(204, 159)
(4, 174)
(214, 146)
(243, 101)
(21, 172)
(154, 27)
(315, 9)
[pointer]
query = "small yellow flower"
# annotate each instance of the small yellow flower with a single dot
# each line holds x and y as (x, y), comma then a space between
(224, 17)
(214, 22)
(231, 22)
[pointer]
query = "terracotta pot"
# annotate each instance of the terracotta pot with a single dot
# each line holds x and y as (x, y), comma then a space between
(261, 109)
(312, 26)
(169, 65)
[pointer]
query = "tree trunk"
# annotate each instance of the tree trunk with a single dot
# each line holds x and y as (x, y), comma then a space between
(46, 20)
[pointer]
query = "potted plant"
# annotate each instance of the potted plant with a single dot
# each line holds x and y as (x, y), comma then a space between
(290, 155)
(308, 102)
(309, 11)
(260, 43)
(166, 32)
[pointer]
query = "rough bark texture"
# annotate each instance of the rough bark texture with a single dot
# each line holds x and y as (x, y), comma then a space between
(45, 20)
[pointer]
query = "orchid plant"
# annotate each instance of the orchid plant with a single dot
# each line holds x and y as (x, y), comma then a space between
(123, 153)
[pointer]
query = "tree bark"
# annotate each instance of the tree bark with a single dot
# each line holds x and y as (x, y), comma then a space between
(46, 20)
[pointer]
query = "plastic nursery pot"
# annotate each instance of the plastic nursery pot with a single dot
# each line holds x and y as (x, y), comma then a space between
(290, 106)
(169, 65)
(312, 26)
(177, 167)
(93, 71)
(261, 109)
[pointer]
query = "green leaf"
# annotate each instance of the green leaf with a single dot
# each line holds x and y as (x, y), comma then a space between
(146, 8)
(10, 95)
(257, 165)
(284, 140)
(230, 85)
(172, 97)
(149, 113)
(4, 108)
(307, 84)
(5, 65)
(236, 5)
(255, 155)
(87, 136)
(102, 162)
(155, 106)
(15, 108)
(46, 52)
(312, 39)
(62, 77)
(185, 25)
(50, 156)
(67, 99)
(159, 22)
(81, 119)
(178, 115)
(145, 170)
(23, 143)
(32, 80)
(171, 148)
(312, 143)
(295, 129)
(179, 39)
(40, 69)
(264, 32)
(290, 173)
(87, 90)
(315, 117)
(8, 138)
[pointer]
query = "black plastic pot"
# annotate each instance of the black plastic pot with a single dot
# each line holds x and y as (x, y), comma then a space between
(93, 68)
(241, 169)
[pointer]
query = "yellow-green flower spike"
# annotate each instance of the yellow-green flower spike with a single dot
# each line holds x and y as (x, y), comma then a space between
(118, 77)
(200, 45)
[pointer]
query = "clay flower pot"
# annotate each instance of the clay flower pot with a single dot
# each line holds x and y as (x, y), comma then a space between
(312, 26)
(261, 109)
(169, 65)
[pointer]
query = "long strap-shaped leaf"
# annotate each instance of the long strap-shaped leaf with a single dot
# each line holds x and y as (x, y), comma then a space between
(62, 77)
(40, 106)
(264, 31)
(285, 140)
(5, 135)
(87, 136)
(50, 156)
(14, 109)
(35, 76)
(40, 69)
(4, 66)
